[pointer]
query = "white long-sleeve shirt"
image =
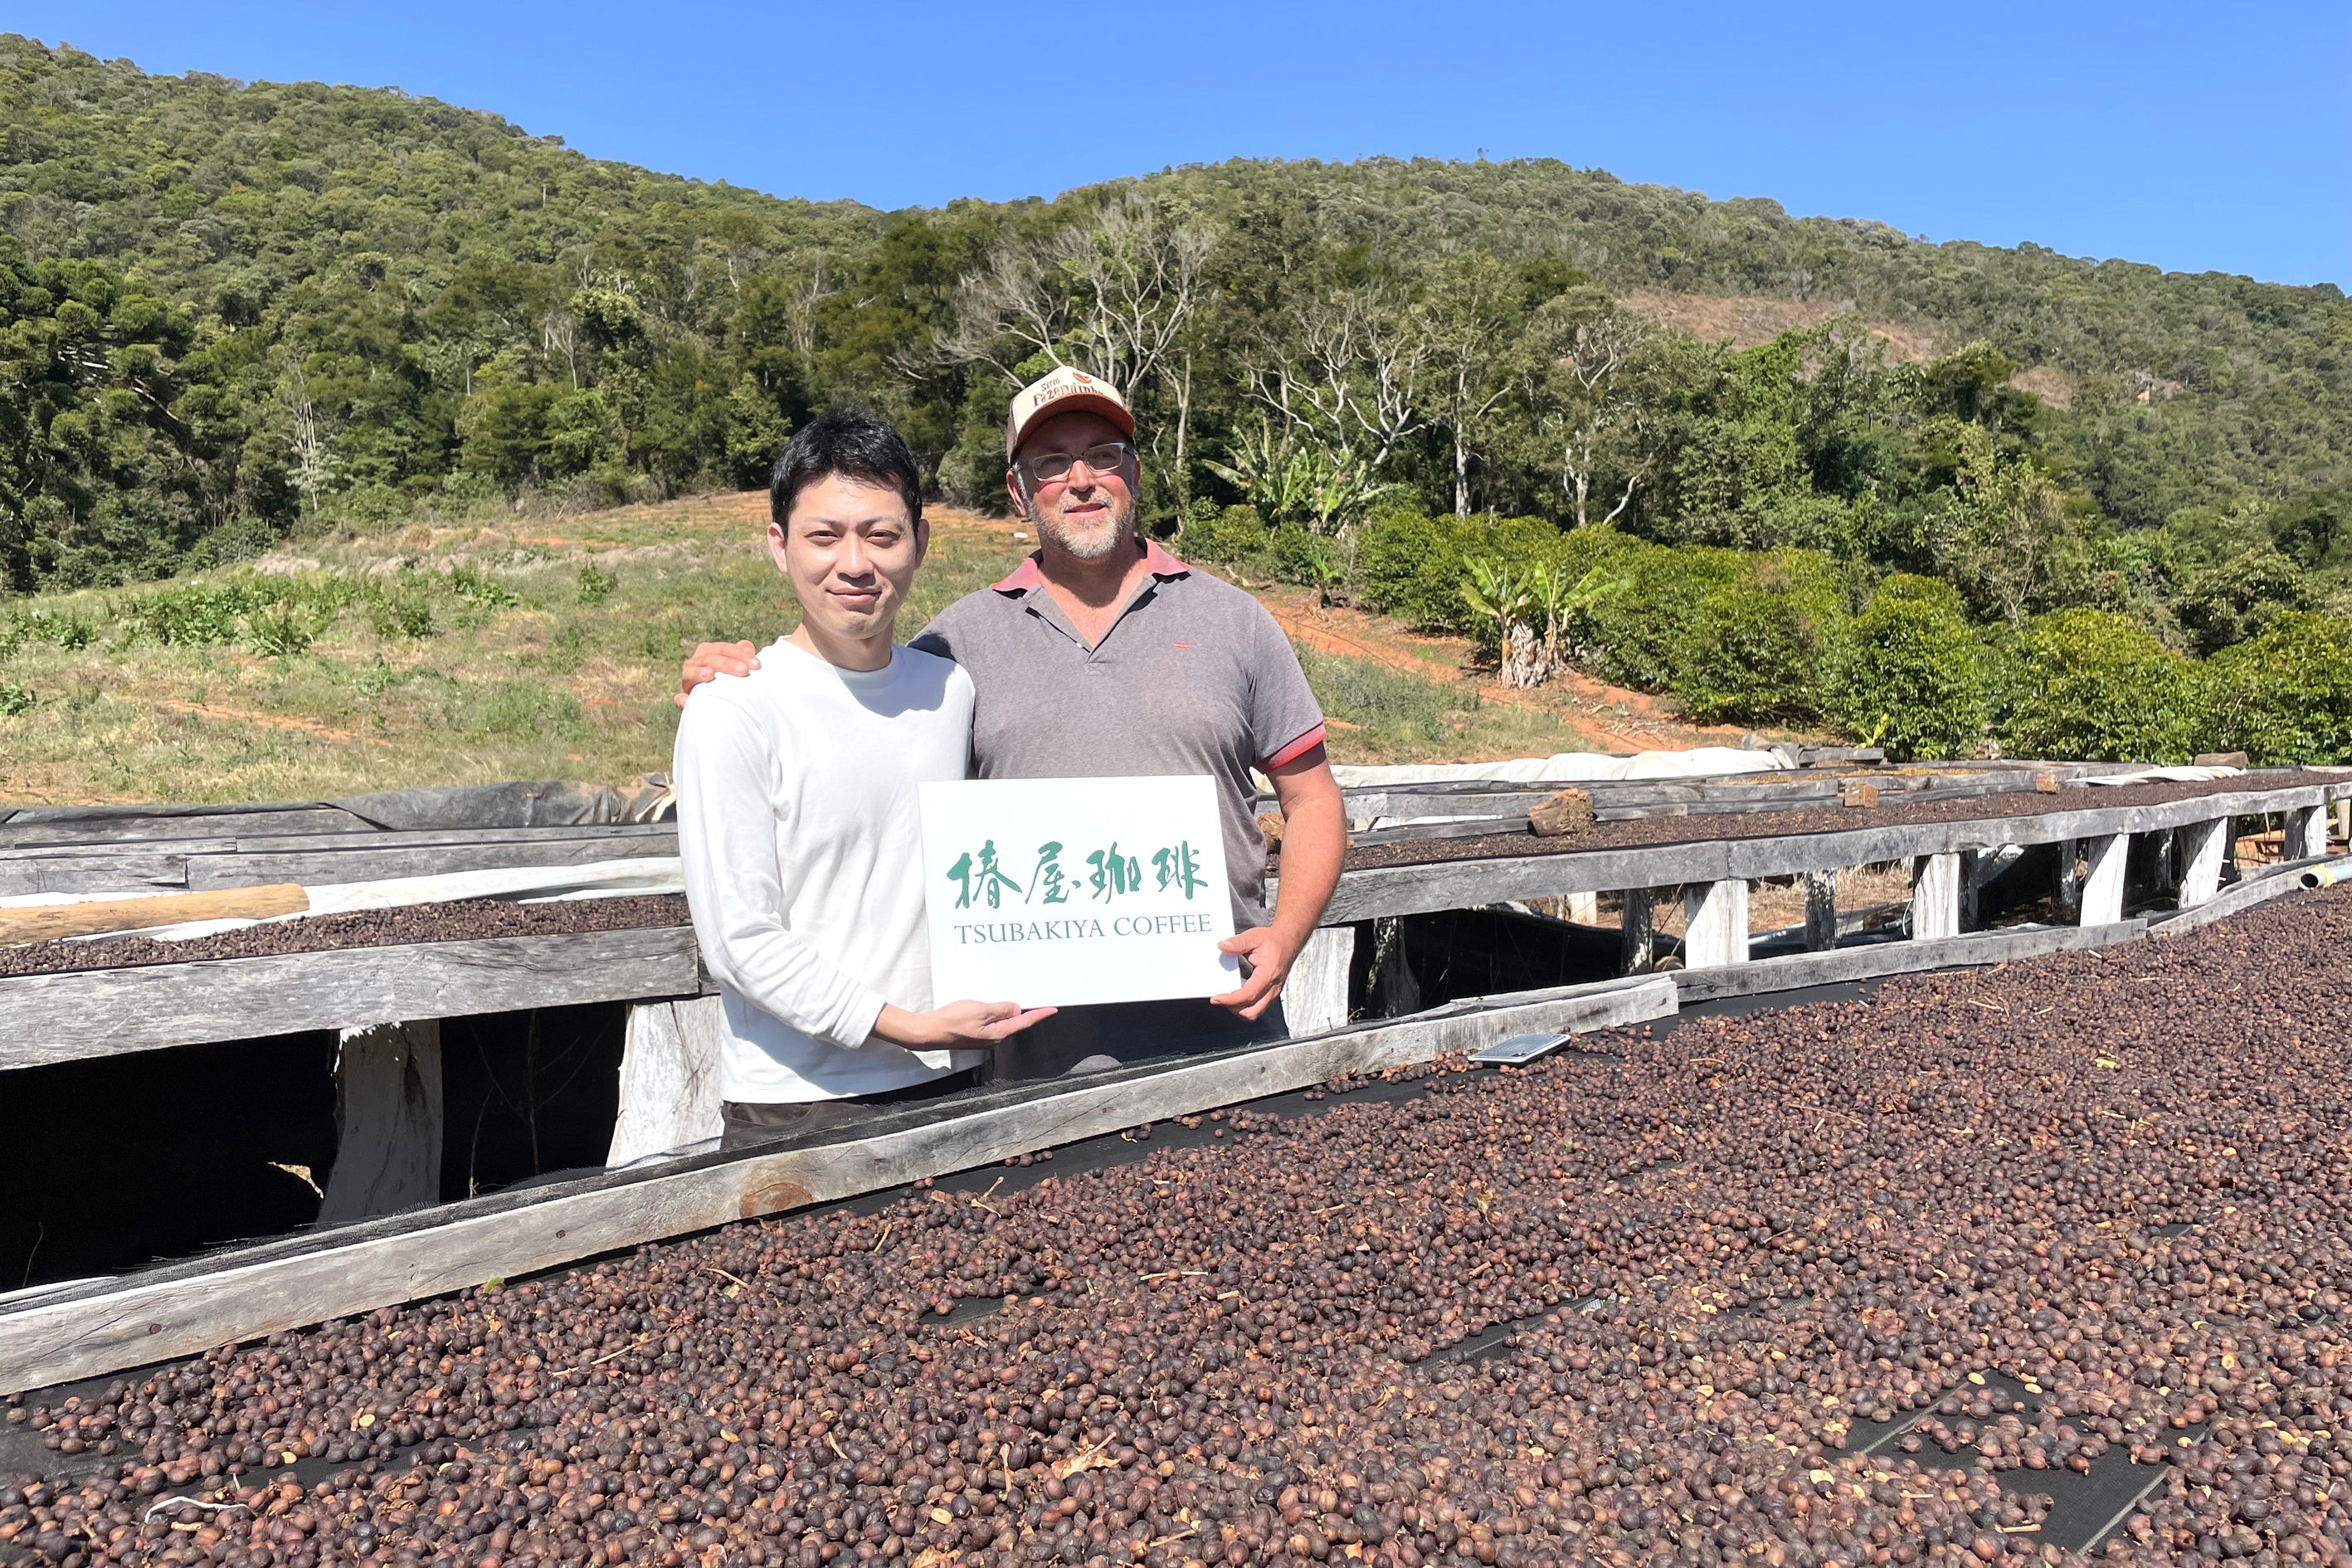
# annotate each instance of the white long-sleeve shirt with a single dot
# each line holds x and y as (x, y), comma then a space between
(802, 838)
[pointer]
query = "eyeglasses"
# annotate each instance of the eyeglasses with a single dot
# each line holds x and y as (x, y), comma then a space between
(1046, 468)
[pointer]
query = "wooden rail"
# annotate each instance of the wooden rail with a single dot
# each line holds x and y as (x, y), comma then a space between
(1387, 890)
(90, 1327)
(109, 1012)
(62, 1018)
(242, 858)
(94, 1326)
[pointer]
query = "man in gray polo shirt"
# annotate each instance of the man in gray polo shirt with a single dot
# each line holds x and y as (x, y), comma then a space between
(1103, 656)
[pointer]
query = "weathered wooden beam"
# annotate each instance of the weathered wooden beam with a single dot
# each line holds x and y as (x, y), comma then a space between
(1372, 892)
(1715, 923)
(244, 859)
(2163, 861)
(2104, 856)
(1801, 969)
(27, 830)
(1935, 897)
(2203, 845)
(103, 1326)
(1637, 950)
(388, 1122)
(669, 1079)
(1821, 911)
(1392, 974)
(2306, 832)
(2257, 887)
(2068, 894)
(77, 871)
(1315, 997)
(109, 1012)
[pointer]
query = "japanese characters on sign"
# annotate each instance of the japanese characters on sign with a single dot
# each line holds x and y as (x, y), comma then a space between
(1058, 892)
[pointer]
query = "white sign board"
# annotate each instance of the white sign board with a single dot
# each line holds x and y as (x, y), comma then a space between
(1059, 893)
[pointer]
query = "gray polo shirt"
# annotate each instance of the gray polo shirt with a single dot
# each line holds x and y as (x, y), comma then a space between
(1194, 677)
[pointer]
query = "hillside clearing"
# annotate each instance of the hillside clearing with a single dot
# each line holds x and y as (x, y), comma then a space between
(550, 649)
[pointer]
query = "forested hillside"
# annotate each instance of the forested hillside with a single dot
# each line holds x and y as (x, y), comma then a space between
(231, 312)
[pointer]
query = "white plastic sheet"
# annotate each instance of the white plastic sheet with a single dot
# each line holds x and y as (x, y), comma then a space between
(1572, 767)
(2181, 774)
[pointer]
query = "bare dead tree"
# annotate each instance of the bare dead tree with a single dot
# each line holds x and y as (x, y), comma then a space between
(1111, 298)
(1137, 276)
(1009, 311)
(1471, 357)
(313, 468)
(801, 309)
(559, 334)
(1585, 346)
(1346, 370)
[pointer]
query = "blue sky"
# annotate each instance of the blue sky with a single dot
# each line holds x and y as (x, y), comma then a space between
(2193, 137)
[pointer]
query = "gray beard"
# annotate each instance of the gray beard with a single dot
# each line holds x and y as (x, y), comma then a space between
(1088, 547)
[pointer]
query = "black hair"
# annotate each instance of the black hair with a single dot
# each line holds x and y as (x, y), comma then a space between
(849, 442)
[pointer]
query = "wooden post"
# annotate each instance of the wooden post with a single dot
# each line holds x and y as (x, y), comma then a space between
(1821, 911)
(1398, 986)
(669, 1079)
(1584, 908)
(2164, 862)
(2102, 878)
(1715, 924)
(2202, 843)
(2306, 832)
(1971, 866)
(388, 1122)
(1315, 997)
(1935, 897)
(2342, 821)
(1638, 949)
(2069, 896)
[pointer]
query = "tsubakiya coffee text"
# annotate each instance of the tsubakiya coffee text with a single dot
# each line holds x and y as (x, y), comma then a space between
(1082, 929)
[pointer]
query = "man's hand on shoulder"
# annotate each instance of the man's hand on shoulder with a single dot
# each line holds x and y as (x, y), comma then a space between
(712, 659)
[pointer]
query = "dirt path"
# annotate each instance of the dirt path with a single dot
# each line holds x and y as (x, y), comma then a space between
(245, 716)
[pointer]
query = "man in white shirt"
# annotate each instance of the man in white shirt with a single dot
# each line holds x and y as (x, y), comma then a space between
(798, 820)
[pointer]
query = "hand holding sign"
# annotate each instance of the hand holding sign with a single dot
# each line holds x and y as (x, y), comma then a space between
(1068, 891)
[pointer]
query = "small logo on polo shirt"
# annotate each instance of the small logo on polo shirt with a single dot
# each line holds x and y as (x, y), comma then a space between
(1183, 645)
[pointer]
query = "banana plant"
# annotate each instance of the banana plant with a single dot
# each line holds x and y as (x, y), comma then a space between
(1271, 471)
(1558, 598)
(1499, 593)
(1288, 480)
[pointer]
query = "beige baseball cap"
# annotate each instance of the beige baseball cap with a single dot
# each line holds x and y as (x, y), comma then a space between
(1064, 391)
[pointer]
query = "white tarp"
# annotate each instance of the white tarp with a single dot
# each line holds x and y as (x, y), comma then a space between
(2162, 776)
(1570, 767)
